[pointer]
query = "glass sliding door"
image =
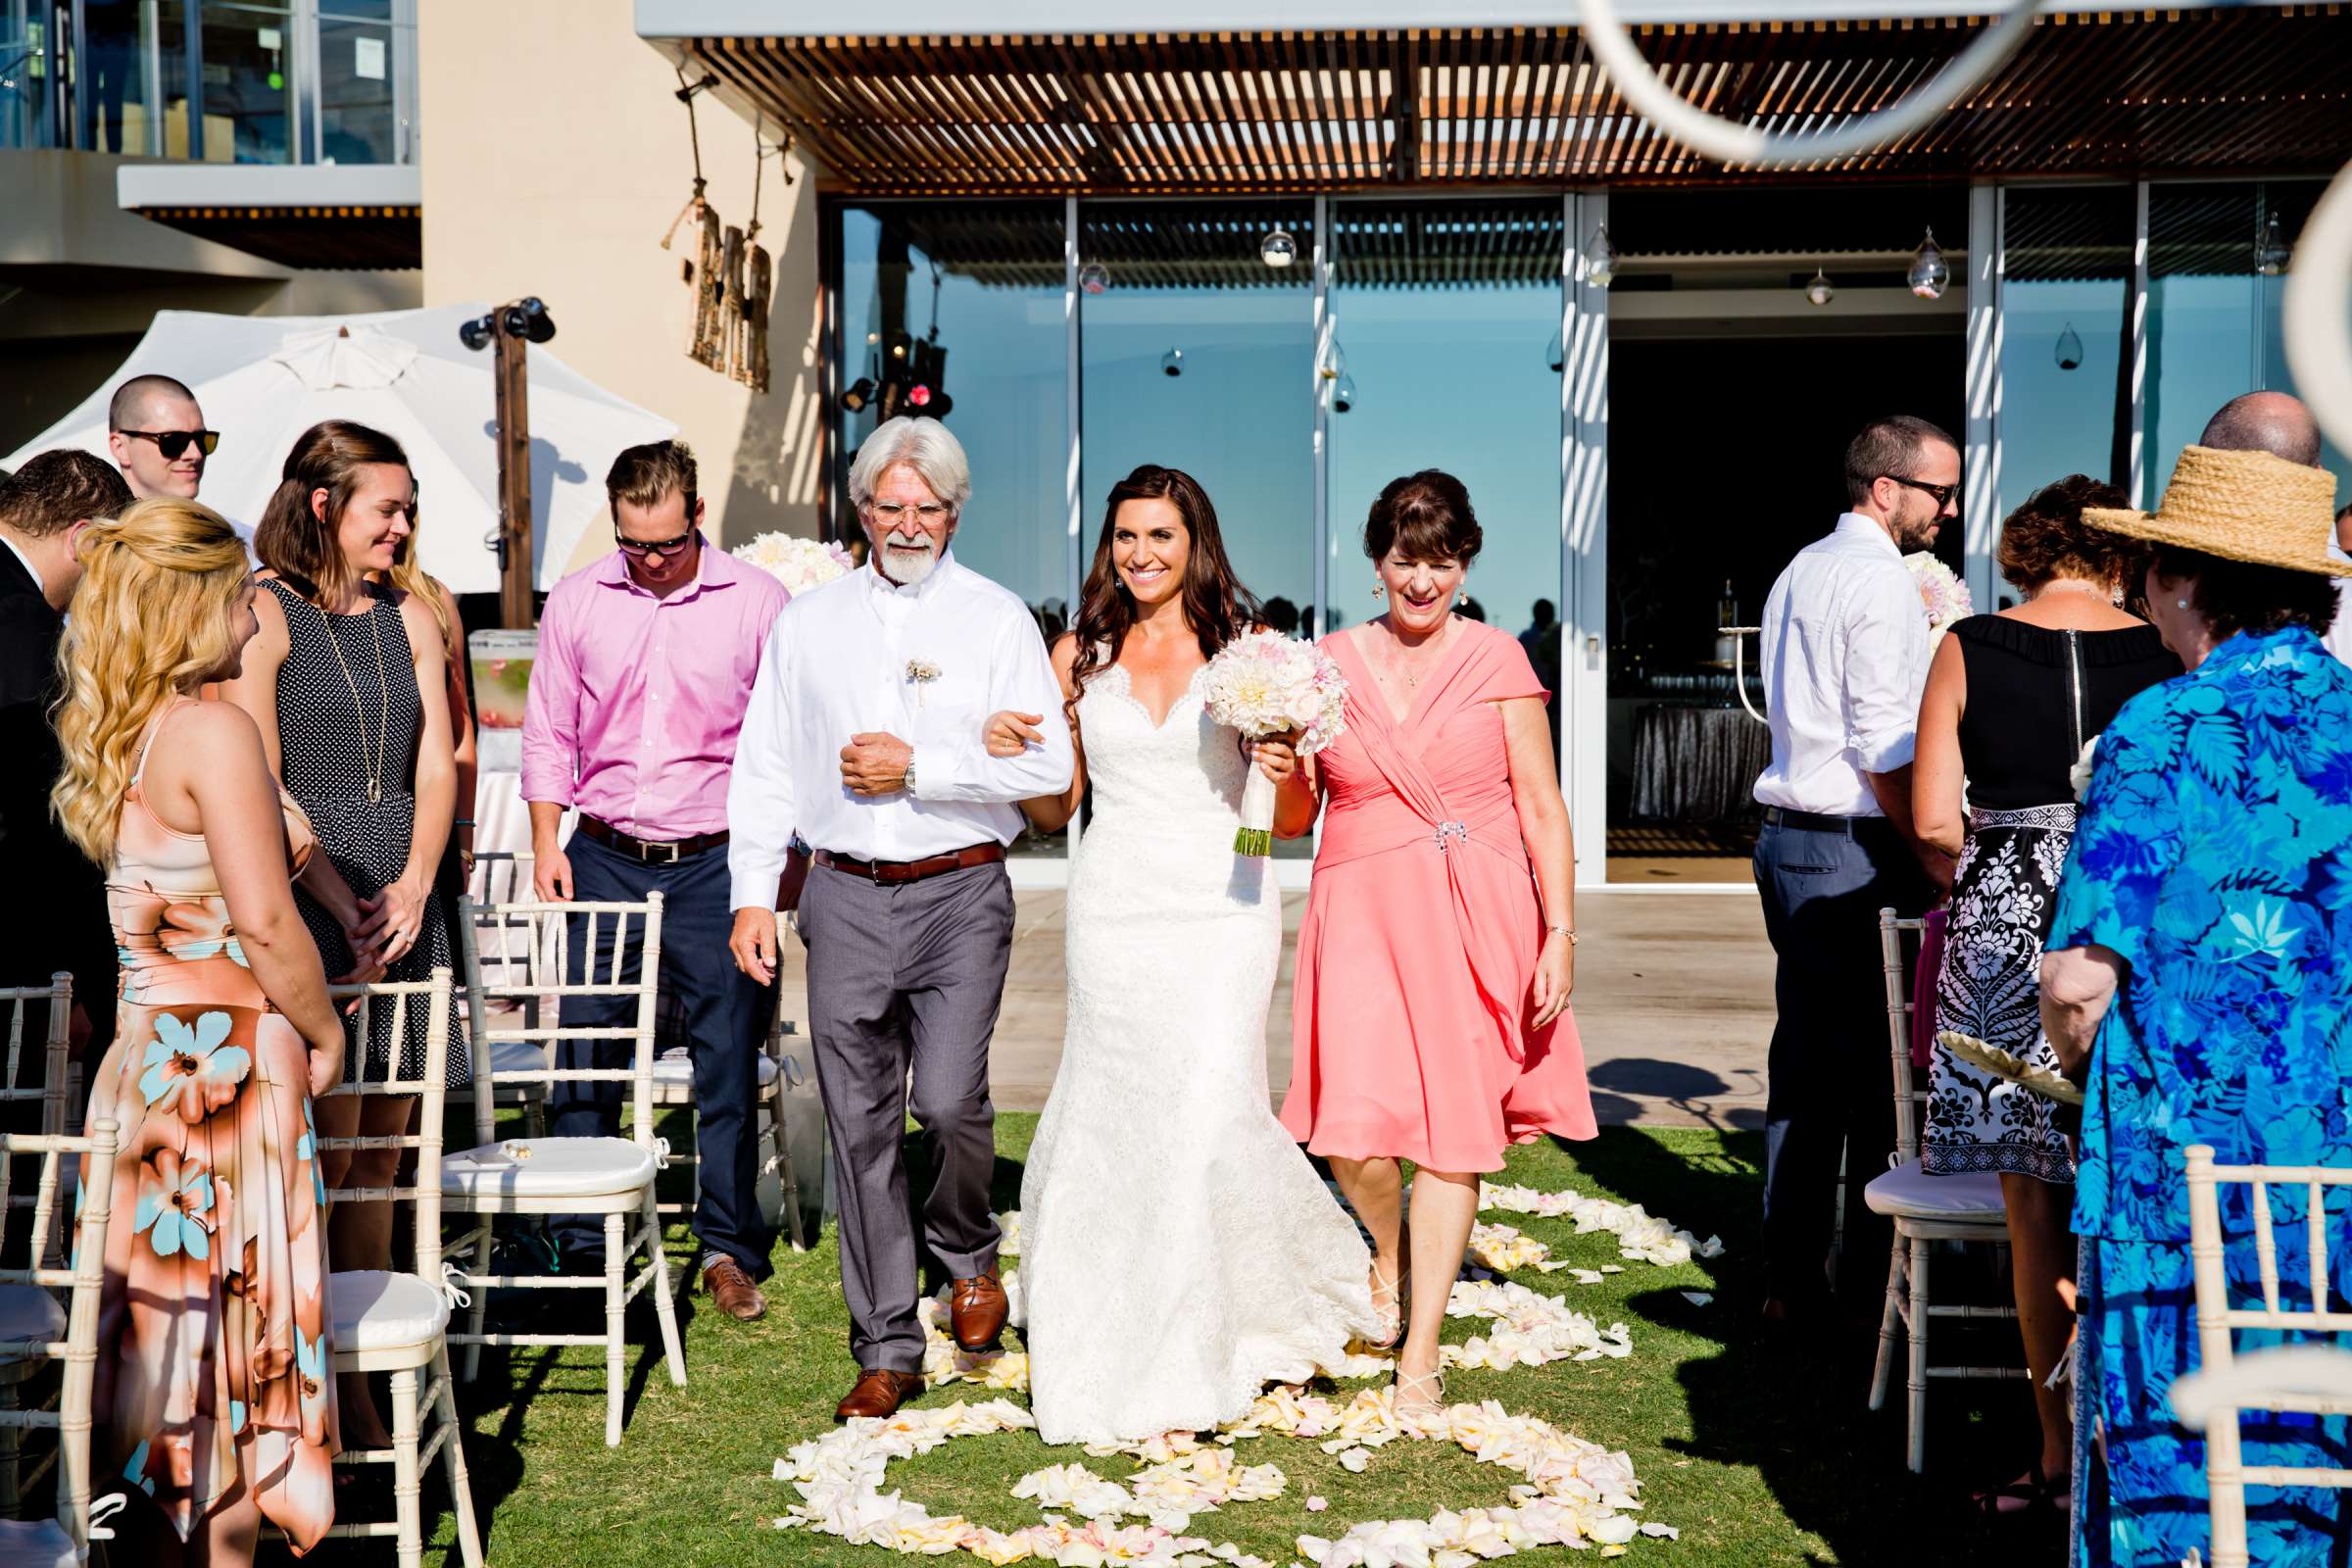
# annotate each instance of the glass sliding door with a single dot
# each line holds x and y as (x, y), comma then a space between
(964, 301)
(2066, 335)
(1196, 353)
(2217, 255)
(1446, 333)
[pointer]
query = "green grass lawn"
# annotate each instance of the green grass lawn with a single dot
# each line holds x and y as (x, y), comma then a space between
(1759, 1451)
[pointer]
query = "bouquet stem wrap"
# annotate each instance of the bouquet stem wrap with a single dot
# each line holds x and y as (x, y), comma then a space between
(1257, 835)
(1264, 685)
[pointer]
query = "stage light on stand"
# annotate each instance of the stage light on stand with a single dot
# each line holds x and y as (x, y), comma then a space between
(1278, 248)
(1172, 363)
(1819, 291)
(860, 392)
(2069, 352)
(1929, 275)
(1093, 278)
(477, 333)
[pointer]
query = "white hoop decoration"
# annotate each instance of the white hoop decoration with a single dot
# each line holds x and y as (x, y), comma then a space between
(2314, 316)
(1712, 136)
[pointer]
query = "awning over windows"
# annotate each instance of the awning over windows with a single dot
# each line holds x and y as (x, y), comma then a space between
(2253, 89)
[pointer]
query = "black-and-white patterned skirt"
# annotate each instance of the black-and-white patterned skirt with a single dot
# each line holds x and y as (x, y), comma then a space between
(1990, 987)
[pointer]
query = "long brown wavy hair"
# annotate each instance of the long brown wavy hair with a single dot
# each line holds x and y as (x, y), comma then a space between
(1216, 606)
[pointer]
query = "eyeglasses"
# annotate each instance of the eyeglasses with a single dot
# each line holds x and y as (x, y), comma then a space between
(1944, 493)
(654, 546)
(890, 511)
(171, 443)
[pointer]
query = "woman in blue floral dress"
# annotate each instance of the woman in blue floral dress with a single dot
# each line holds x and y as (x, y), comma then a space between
(2198, 976)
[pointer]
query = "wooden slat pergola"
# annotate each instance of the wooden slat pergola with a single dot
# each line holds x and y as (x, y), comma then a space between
(2244, 90)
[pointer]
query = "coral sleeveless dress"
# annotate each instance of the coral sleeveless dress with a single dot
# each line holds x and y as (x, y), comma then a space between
(213, 1327)
(1409, 1028)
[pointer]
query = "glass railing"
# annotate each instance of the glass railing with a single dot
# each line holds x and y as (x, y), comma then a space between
(221, 82)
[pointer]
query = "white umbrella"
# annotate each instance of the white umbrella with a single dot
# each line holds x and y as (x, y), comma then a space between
(263, 380)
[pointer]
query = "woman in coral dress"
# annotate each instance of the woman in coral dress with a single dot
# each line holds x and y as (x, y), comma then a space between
(214, 1324)
(1431, 1017)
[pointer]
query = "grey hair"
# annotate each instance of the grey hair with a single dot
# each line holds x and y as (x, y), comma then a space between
(925, 445)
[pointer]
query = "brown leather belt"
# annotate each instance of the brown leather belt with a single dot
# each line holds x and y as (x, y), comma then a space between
(653, 852)
(896, 871)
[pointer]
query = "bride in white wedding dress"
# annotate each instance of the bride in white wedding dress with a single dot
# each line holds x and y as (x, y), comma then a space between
(1178, 1251)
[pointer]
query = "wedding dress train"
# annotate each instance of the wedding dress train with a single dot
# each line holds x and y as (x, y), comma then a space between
(1178, 1250)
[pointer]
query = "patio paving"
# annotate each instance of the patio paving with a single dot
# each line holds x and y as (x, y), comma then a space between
(1673, 1002)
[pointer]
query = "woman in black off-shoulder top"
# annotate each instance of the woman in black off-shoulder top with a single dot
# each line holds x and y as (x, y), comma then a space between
(2012, 698)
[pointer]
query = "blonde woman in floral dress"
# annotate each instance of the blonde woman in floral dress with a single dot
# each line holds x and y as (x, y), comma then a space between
(212, 1376)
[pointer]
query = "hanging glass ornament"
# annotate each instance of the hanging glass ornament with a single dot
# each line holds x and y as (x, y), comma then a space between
(1929, 275)
(1343, 396)
(1555, 352)
(1093, 278)
(1172, 363)
(1819, 291)
(2069, 352)
(1278, 249)
(2273, 254)
(1601, 258)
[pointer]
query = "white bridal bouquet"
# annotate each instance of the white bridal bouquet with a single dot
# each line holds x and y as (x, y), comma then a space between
(1266, 684)
(800, 565)
(1942, 591)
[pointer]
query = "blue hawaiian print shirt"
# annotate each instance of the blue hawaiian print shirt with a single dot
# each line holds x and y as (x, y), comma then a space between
(2214, 854)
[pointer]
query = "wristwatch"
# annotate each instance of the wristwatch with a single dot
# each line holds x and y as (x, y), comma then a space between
(907, 783)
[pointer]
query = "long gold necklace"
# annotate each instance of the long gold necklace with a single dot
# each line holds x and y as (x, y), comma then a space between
(384, 690)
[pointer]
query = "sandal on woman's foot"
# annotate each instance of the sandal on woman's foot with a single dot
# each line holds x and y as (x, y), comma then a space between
(1391, 1317)
(2032, 1493)
(1412, 1402)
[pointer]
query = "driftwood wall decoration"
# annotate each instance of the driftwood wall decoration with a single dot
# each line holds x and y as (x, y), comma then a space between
(731, 279)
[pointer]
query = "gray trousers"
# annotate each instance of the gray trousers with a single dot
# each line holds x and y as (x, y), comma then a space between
(898, 977)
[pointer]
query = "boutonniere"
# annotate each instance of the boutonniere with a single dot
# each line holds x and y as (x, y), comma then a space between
(922, 672)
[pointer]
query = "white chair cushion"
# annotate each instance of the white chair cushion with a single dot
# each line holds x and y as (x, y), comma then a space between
(35, 1544)
(1913, 1194)
(549, 1167)
(675, 1070)
(29, 1312)
(379, 1311)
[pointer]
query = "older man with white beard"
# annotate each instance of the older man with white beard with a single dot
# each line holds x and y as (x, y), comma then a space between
(865, 733)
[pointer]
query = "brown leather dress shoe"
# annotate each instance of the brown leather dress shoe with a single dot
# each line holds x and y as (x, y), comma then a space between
(727, 1285)
(977, 1307)
(879, 1392)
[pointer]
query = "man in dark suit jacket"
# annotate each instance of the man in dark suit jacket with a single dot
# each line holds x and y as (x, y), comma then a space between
(57, 918)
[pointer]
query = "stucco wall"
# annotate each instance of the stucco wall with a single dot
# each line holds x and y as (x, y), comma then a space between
(555, 157)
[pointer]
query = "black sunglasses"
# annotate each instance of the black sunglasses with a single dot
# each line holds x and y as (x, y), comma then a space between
(1944, 493)
(171, 443)
(652, 547)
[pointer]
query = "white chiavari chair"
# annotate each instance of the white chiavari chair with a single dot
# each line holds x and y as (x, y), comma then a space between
(2315, 1379)
(508, 960)
(612, 1177)
(67, 1333)
(779, 1071)
(396, 1322)
(1966, 1206)
(24, 1314)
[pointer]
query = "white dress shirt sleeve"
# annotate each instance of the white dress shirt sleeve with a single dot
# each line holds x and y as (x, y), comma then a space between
(1885, 636)
(760, 798)
(1020, 677)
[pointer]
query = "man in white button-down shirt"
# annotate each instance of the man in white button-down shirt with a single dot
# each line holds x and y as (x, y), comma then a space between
(865, 733)
(1845, 659)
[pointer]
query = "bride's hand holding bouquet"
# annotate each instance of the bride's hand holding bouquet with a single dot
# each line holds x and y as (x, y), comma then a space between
(1288, 699)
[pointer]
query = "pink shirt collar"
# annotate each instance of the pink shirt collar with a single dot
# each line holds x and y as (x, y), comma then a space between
(715, 569)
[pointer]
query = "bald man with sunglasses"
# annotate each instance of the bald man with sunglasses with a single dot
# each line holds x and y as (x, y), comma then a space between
(157, 435)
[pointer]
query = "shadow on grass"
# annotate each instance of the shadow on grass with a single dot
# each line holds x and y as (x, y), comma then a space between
(1796, 1408)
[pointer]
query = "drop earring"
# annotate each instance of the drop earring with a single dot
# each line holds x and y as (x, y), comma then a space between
(2180, 603)
(1380, 590)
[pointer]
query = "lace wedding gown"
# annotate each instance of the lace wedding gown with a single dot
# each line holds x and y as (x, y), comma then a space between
(1178, 1250)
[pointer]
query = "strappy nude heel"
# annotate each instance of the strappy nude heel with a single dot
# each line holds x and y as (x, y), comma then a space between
(1411, 1404)
(1391, 1316)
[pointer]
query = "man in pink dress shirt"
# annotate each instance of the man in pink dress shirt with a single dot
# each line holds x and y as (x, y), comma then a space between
(645, 666)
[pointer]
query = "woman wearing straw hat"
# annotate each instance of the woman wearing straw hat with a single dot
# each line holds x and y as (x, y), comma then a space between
(2199, 965)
